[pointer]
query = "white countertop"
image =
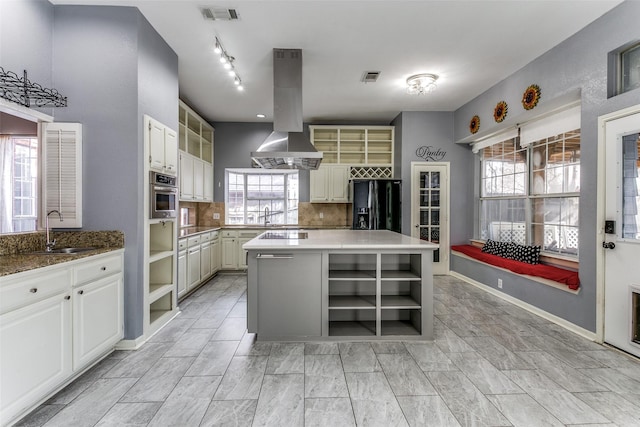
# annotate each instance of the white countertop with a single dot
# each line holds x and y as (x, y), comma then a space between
(343, 239)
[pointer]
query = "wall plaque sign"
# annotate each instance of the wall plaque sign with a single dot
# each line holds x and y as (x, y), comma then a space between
(429, 153)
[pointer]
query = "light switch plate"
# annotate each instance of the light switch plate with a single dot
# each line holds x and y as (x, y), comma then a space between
(216, 215)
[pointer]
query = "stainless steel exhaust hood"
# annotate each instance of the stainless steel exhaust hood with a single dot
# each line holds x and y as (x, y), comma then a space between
(287, 147)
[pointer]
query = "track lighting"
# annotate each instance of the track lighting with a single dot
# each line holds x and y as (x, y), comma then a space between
(227, 62)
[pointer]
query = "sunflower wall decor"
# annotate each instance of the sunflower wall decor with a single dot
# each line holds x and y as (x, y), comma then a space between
(474, 124)
(530, 97)
(500, 112)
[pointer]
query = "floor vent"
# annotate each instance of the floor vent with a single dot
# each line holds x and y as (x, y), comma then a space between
(370, 76)
(219, 14)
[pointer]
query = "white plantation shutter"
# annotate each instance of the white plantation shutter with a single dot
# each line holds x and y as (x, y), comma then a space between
(62, 172)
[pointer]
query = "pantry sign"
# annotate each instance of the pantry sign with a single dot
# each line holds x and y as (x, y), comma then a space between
(430, 154)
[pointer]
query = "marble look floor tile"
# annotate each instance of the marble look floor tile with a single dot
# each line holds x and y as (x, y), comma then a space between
(614, 380)
(388, 347)
(190, 344)
(231, 329)
(404, 375)
(452, 343)
(569, 378)
(286, 358)
(429, 357)
(460, 326)
(358, 357)
(239, 310)
(158, 382)
(614, 359)
(532, 380)
(194, 309)
(427, 411)
(281, 401)
(566, 407)
(466, 402)
(324, 377)
(322, 412)
(40, 416)
(250, 347)
(569, 338)
(213, 359)
(173, 330)
(73, 390)
(510, 340)
(196, 387)
(522, 411)
(93, 403)
(374, 403)
(129, 415)
(483, 374)
(565, 353)
(620, 411)
(139, 362)
(242, 379)
(496, 354)
(238, 413)
(321, 348)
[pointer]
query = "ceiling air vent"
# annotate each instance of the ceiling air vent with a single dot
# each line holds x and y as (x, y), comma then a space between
(370, 76)
(219, 14)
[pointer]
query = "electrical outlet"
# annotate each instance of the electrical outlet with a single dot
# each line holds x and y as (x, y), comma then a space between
(499, 283)
(321, 215)
(216, 215)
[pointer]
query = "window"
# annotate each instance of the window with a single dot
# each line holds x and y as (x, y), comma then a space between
(18, 186)
(253, 197)
(531, 195)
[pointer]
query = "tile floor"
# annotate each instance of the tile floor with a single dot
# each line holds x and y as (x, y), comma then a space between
(490, 364)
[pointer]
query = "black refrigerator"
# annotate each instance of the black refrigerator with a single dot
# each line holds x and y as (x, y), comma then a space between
(377, 204)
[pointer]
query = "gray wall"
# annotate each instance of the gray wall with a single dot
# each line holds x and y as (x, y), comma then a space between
(133, 72)
(12, 125)
(580, 62)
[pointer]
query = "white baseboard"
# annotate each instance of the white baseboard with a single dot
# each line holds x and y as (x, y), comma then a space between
(136, 343)
(530, 308)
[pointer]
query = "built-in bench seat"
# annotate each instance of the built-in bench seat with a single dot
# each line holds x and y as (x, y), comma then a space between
(567, 277)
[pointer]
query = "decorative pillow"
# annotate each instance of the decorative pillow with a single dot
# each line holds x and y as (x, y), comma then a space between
(490, 247)
(509, 251)
(528, 254)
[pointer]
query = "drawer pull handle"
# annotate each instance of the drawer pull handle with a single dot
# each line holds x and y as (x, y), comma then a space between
(80, 292)
(103, 268)
(67, 297)
(33, 290)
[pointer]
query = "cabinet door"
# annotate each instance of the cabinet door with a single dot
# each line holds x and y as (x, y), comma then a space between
(97, 319)
(156, 146)
(208, 182)
(290, 303)
(205, 261)
(318, 185)
(193, 263)
(170, 152)
(215, 257)
(229, 254)
(186, 177)
(338, 178)
(182, 273)
(198, 179)
(242, 254)
(35, 353)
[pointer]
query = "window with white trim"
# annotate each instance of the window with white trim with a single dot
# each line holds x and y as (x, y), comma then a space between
(530, 188)
(18, 187)
(253, 195)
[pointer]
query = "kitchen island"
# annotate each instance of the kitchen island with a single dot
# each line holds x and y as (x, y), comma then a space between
(339, 285)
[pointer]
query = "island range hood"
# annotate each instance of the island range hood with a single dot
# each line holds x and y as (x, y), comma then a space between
(287, 147)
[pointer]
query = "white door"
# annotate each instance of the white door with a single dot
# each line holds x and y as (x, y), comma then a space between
(430, 209)
(621, 243)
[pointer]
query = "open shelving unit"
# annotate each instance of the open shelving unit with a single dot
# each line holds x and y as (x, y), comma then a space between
(161, 273)
(354, 145)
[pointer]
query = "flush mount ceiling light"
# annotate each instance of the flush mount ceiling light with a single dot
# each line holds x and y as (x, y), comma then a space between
(421, 84)
(227, 63)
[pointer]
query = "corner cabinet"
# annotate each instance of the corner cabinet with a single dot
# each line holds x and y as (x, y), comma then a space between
(349, 152)
(195, 143)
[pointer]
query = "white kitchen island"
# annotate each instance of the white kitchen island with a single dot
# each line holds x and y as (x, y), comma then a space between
(339, 285)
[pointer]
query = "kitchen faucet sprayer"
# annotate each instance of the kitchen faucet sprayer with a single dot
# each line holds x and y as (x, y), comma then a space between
(266, 214)
(50, 244)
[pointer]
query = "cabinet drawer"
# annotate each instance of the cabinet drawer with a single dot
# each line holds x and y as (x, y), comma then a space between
(24, 291)
(248, 234)
(182, 244)
(229, 233)
(193, 241)
(96, 269)
(205, 237)
(214, 235)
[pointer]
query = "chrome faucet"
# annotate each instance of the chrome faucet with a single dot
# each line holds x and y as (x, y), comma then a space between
(48, 247)
(266, 214)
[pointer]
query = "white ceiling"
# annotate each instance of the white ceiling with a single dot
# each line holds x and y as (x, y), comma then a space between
(471, 44)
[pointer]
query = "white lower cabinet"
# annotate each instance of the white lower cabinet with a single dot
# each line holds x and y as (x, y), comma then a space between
(205, 261)
(193, 267)
(54, 323)
(216, 262)
(198, 260)
(182, 273)
(229, 253)
(233, 256)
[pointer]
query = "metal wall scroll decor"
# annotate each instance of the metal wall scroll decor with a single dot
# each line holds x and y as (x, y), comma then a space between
(530, 97)
(24, 92)
(500, 112)
(474, 124)
(429, 153)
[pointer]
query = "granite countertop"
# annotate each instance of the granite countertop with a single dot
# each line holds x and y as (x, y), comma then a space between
(11, 264)
(343, 239)
(193, 229)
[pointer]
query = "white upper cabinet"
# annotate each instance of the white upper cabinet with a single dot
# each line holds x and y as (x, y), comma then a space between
(195, 142)
(62, 172)
(163, 147)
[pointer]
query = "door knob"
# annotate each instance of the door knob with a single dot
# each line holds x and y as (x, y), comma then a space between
(608, 245)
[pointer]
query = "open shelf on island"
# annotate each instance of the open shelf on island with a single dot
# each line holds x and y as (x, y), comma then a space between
(355, 302)
(352, 275)
(399, 302)
(352, 328)
(398, 327)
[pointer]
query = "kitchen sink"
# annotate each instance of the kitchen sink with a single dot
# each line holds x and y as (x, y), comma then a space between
(63, 251)
(285, 234)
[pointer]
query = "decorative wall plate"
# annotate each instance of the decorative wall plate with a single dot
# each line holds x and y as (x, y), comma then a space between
(530, 97)
(474, 124)
(500, 112)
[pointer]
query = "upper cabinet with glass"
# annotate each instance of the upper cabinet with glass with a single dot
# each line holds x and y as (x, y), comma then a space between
(196, 135)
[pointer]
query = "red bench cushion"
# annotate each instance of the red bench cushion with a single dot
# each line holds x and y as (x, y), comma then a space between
(557, 274)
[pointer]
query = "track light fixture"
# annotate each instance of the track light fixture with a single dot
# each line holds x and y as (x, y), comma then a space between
(227, 62)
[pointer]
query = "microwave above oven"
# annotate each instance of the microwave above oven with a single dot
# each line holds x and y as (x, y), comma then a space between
(163, 193)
